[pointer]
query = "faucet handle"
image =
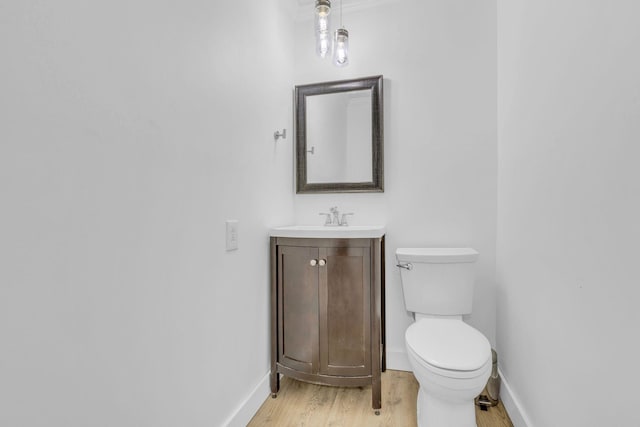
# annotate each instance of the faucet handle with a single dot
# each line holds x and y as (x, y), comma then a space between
(343, 221)
(327, 220)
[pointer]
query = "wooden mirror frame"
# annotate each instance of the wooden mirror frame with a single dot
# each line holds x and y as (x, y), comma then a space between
(377, 136)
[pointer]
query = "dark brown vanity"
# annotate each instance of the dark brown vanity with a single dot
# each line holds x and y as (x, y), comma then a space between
(327, 309)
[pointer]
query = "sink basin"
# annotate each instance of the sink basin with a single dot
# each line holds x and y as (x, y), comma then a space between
(329, 232)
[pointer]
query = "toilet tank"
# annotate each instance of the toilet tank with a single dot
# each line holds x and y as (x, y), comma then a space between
(437, 281)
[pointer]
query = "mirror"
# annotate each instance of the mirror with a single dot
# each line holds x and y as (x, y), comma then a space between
(339, 136)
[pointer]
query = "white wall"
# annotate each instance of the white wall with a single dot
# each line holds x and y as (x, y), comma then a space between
(568, 228)
(129, 131)
(439, 63)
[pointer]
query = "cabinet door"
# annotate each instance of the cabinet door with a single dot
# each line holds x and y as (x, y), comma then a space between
(298, 308)
(344, 297)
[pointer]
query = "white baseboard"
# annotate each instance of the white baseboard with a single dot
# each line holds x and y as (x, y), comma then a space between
(241, 416)
(513, 406)
(397, 360)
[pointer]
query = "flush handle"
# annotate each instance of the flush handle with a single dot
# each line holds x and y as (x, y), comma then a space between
(407, 266)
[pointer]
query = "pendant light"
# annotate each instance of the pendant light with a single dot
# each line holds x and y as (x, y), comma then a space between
(322, 25)
(341, 44)
(341, 48)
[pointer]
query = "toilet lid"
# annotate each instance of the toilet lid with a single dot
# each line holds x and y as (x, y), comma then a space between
(448, 344)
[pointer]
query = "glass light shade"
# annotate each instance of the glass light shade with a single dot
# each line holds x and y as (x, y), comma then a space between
(323, 44)
(322, 25)
(341, 47)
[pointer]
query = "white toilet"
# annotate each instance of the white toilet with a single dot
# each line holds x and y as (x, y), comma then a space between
(450, 359)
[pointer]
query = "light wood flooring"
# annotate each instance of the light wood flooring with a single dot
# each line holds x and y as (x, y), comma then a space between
(301, 404)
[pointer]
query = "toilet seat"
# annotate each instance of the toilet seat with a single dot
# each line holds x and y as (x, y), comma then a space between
(448, 347)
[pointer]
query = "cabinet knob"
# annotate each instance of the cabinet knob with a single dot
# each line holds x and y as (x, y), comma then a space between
(322, 262)
(313, 262)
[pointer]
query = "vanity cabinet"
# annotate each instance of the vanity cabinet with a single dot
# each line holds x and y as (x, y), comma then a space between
(327, 311)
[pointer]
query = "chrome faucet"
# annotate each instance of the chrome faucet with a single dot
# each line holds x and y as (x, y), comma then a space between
(334, 218)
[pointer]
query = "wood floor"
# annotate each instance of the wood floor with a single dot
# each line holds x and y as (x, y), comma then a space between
(300, 404)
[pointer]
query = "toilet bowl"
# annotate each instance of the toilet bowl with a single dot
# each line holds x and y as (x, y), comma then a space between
(452, 363)
(450, 359)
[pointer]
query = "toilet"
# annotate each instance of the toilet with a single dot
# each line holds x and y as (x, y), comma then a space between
(450, 359)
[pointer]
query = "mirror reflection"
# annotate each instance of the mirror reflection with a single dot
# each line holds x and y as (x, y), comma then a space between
(341, 151)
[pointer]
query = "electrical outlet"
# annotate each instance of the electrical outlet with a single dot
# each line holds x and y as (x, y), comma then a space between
(232, 234)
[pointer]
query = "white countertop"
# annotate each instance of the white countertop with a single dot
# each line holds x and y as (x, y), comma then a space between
(329, 232)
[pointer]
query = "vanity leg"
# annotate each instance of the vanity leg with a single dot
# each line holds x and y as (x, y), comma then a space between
(377, 330)
(275, 384)
(383, 308)
(274, 377)
(376, 395)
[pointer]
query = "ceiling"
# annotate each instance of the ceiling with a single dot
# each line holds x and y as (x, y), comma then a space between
(305, 7)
